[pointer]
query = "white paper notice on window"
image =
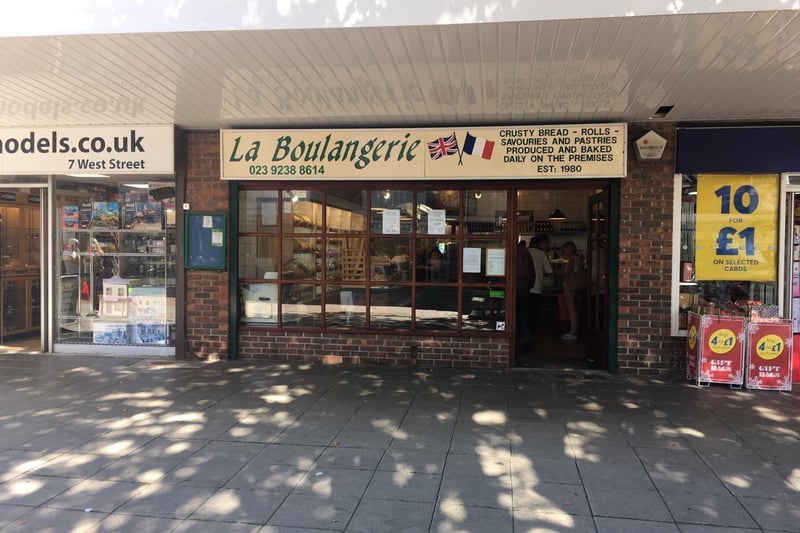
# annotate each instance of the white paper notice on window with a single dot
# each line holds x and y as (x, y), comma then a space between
(391, 221)
(216, 237)
(208, 221)
(436, 222)
(495, 262)
(472, 261)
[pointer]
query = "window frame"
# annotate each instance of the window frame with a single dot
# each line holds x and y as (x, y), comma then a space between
(456, 234)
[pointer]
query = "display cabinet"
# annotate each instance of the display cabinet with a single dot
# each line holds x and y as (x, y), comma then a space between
(117, 285)
(20, 298)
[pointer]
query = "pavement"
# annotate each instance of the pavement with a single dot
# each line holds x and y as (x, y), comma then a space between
(108, 444)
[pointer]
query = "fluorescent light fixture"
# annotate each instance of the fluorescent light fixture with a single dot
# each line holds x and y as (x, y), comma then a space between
(136, 185)
(88, 175)
(425, 208)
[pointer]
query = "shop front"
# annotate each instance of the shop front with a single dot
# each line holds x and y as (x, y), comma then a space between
(737, 213)
(398, 245)
(96, 249)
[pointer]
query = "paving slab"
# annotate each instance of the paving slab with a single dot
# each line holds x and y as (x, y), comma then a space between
(239, 505)
(457, 518)
(313, 511)
(404, 486)
(267, 447)
(395, 516)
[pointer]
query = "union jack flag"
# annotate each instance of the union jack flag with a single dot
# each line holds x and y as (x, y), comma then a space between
(443, 146)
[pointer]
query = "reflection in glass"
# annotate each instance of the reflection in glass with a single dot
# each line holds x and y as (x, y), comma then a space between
(486, 211)
(300, 305)
(437, 308)
(258, 257)
(301, 258)
(258, 211)
(437, 260)
(301, 213)
(390, 307)
(345, 306)
(346, 211)
(482, 308)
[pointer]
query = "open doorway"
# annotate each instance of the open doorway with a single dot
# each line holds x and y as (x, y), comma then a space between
(565, 226)
(21, 281)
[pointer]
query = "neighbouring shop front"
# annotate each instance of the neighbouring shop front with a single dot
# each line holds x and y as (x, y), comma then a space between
(91, 211)
(737, 229)
(398, 245)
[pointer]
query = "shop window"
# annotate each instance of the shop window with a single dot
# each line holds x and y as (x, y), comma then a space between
(380, 259)
(726, 245)
(117, 249)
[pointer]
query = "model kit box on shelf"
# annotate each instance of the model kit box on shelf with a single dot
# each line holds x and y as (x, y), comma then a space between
(110, 333)
(105, 215)
(148, 303)
(70, 217)
(143, 216)
(149, 333)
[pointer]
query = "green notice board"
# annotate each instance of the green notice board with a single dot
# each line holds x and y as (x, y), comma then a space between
(205, 241)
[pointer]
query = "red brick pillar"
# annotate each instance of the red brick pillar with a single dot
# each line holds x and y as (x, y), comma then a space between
(645, 346)
(207, 294)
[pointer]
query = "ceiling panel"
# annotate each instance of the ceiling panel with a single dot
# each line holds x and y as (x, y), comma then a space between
(712, 67)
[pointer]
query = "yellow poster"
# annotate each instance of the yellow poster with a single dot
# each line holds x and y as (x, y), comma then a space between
(737, 227)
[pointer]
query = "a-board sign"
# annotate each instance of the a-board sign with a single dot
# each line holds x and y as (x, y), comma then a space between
(769, 355)
(721, 345)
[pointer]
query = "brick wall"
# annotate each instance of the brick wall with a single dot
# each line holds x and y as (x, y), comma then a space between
(645, 345)
(645, 265)
(206, 309)
(383, 348)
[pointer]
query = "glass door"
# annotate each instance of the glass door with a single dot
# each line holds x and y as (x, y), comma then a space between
(597, 258)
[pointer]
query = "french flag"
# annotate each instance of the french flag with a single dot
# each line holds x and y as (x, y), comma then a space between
(478, 146)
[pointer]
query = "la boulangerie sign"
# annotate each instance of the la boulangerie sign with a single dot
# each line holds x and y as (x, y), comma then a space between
(131, 149)
(563, 151)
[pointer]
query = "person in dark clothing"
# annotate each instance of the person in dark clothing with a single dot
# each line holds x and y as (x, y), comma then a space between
(525, 278)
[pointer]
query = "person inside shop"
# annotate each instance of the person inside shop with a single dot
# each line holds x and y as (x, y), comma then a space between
(574, 283)
(538, 248)
(525, 280)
